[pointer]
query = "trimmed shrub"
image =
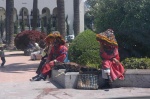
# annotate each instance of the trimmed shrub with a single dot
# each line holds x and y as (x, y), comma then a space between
(22, 39)
(84, 50)
(136, 63)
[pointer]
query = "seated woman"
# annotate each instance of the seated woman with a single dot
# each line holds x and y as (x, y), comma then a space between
(45, 54)
(37, 52)
(112, 69)
(57, 54)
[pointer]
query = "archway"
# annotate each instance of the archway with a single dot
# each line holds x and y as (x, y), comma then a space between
(45, 17)
(54, 19)
(15, 15)
(31, 19)
(23, 17)
(2, 22)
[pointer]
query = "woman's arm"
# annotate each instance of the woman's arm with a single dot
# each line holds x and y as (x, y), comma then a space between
(63, 53)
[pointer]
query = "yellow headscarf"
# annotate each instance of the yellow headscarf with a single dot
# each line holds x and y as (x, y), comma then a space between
(107, 38)
(55, 35)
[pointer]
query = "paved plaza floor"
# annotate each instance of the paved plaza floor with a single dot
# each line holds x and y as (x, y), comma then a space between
(15, 84)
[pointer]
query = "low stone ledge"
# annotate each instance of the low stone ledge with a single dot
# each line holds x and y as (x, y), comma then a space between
(66, 80)
(138, 71)
(134, 78)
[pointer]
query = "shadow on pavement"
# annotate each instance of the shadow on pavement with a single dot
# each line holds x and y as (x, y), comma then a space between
(19, 67)
(14, 55)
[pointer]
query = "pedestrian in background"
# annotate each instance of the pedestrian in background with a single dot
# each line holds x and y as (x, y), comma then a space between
(2, 55)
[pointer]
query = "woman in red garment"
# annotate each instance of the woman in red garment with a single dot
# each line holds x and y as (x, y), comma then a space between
(112, 69)
(57, 54)
(48, 41)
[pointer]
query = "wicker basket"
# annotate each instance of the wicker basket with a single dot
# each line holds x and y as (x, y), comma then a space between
(87, 81)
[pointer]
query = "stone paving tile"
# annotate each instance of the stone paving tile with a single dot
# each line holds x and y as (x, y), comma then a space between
(18, 67)
(15, 84)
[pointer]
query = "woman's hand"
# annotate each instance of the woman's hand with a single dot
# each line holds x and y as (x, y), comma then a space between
(116, 61)
(51, 63)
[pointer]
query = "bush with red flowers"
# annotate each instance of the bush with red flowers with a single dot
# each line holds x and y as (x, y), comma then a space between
(22, 39)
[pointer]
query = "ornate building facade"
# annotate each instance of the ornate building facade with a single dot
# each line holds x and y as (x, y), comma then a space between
(47, 10)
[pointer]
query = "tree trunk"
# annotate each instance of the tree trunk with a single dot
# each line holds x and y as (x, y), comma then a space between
(7, 20)
(61, 17)
(10, 23)
(76, 18)
(35, 14)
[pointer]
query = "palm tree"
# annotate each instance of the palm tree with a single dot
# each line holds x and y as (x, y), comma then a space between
(9, 23)
(61, 17)
(76, 17)
(35, 14)
(7, 19)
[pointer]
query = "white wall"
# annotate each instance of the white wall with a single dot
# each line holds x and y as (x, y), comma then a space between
(3, 3)
(81, 15)
(51, 4)
(18, 4)
(69, 11)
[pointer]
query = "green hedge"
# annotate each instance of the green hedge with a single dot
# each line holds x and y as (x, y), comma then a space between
(84, 50)
(136, 63)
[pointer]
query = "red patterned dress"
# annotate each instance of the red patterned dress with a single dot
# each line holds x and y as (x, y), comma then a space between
(116, 69)
(58, 54)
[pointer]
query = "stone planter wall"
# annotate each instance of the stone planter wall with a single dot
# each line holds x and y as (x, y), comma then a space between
(66, 80)
(133, 78)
